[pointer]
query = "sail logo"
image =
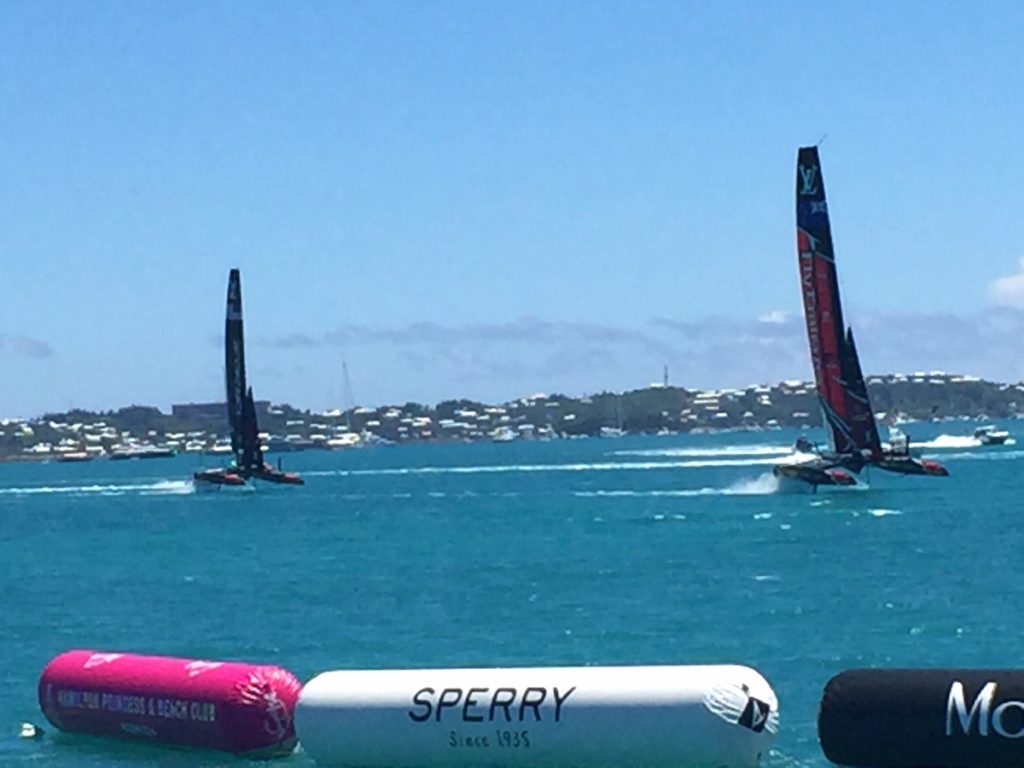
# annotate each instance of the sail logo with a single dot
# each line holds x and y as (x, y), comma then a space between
(808, 179)
(276, 720)
(1006, 719)
(811, 308)
(755, 715)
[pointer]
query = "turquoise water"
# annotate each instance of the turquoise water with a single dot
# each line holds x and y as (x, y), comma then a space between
(637, 550)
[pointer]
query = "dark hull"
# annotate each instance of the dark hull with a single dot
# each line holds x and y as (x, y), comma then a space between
(278, 477)
(75, 457)
(908, 465)
(814, 474)
(218, 477)
(993, 439)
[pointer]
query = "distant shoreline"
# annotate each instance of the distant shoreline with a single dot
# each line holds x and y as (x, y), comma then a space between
(202, 428)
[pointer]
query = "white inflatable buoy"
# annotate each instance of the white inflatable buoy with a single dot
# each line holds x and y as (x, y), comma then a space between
(677, 716)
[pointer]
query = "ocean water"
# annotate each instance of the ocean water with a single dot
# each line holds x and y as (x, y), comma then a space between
(647, 550)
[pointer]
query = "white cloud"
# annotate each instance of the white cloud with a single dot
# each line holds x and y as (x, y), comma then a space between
(495, 361)
(26, 346)
(1009, 291)
(775, 317)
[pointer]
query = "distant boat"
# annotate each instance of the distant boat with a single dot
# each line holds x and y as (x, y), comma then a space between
(617, 430)
(369, 439)
(75, 456)
(284, 445)
(853, 440)
(141, 452)
(504, 434)
(245, 441)
(989, 435)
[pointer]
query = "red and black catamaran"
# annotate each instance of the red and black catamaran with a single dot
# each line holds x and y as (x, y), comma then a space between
(853, 440)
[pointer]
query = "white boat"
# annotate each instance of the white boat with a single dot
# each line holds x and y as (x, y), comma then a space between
(503, 434)
(989, 435)
(369, 439)
(141, 451)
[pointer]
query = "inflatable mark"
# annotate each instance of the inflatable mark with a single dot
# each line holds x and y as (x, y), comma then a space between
(941, 718)
(244, 708)
(570, 716)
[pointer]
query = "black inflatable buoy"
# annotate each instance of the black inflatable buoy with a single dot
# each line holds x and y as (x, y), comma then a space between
(940, 718)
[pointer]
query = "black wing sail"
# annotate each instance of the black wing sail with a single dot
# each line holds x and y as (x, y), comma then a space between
(842, 392)
(234, 362)
(252, 451)
(861, 418)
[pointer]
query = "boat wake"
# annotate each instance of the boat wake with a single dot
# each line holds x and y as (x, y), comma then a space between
(169, 488)
(157, 488)
(763, 485)
(724, 451)
(952, 442)
(500, 468)
(989, 455)
(881, 512)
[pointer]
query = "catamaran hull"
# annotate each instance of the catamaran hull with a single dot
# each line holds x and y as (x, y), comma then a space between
(912, 466)
(278, 478)
(811, 476)
(215, 479)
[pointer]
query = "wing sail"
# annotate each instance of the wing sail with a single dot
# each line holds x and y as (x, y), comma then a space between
(234, 362)
(251, 450)
(842, 391)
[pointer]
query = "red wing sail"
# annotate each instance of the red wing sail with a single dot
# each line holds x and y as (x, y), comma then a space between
(841, 388)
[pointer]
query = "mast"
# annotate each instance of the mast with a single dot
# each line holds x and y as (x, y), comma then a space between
(234, 361)
(349, 400)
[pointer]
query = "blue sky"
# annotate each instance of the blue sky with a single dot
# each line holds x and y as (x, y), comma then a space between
(493, 199)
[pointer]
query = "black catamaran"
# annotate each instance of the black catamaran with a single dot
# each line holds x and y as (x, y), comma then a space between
(853, 441)
(245, 437)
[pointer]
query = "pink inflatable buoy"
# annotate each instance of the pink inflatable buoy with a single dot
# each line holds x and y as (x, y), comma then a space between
(224, 705)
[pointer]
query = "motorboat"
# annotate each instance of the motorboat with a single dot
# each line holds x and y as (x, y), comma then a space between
(989, 435)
